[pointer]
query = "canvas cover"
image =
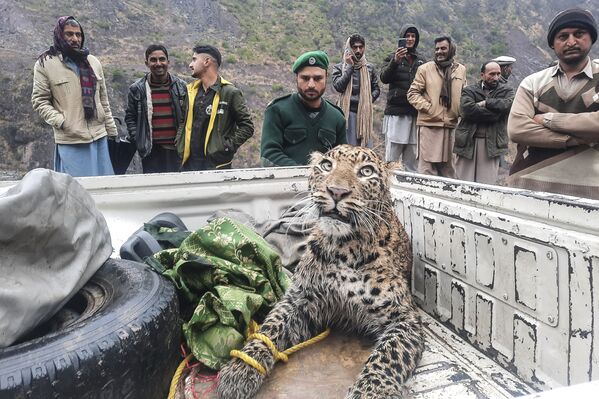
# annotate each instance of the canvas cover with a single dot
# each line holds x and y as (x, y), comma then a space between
(52, 240)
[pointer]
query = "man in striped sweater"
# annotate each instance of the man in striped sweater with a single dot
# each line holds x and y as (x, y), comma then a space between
(555, 115)
(155, 111)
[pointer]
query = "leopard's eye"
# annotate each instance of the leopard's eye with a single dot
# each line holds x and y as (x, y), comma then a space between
(326, 165)
(366, 171)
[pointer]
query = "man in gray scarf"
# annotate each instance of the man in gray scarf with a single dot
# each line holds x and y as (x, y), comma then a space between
(435, 93)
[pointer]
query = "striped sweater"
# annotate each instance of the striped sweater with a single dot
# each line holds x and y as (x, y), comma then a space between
(574, 115)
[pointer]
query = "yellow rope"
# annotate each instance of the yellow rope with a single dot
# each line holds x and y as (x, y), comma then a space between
(175, 381)
(284, 356)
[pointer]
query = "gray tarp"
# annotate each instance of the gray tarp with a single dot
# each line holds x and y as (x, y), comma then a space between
(52, 240)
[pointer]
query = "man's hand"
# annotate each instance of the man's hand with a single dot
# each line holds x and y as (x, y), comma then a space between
(349, 58)
(538, 118)
(400, 53)
(482, 103)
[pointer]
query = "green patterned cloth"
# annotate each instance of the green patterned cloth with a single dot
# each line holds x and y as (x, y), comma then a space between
(229, 275)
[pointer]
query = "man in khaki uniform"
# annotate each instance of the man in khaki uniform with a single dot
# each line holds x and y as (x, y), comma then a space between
(435, 93)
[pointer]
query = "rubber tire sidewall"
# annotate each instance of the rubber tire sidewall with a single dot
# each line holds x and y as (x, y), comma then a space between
(128, 349)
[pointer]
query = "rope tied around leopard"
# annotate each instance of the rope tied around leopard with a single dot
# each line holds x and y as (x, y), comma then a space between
(283, 356)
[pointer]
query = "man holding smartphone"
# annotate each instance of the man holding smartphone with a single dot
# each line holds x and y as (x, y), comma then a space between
(399, 122)
(357, 82)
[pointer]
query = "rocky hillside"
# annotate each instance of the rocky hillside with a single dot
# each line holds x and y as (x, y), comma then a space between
(259, 39)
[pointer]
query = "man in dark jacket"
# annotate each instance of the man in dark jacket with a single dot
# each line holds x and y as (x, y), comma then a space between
(218, 121)
(481, 135)
(358, 84)
(399, 122)
(155, 112)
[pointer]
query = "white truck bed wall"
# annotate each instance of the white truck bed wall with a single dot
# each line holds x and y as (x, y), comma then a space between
(512, 272)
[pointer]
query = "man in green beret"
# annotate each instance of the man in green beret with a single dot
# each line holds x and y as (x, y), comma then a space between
(298, 124)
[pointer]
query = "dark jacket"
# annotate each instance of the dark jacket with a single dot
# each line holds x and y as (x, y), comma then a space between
(399, 76)
(138, 119)
(341, 80)
(231, 125)
(489, 121)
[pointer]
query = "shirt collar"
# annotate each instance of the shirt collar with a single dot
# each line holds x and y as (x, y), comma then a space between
(587, 70)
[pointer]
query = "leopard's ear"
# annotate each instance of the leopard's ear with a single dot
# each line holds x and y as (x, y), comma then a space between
(394, 165)
(316, 157)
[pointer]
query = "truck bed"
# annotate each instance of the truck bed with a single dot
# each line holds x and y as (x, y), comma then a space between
(504, 278)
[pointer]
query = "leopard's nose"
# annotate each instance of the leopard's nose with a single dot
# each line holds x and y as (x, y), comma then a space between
(338, 193)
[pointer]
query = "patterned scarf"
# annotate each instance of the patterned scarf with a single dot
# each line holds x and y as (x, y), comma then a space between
(87, 77)
(445, 66)
(364, 116)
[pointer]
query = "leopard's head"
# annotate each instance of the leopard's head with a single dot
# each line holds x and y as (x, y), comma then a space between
(349, 188)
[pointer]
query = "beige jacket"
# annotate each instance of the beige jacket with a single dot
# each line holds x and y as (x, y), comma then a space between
(56, 97)
(424, 93)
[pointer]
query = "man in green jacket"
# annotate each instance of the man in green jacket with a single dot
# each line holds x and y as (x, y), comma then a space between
(298, 124)
(481, 135)
(218, 121)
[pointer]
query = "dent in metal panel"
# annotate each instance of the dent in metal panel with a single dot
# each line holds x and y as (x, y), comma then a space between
(458, 304)
(525, 347)
(525, 275)
(581, 320)
(457, 248)
(430, 242)
(485, 259)
(431, 286)
(484, 321)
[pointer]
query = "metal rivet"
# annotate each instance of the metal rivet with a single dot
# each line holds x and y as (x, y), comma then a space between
(443, 266)
(549, 255)
(504, 241)
(506, 297)
(417, 213)
(551, 319)
(442, 221)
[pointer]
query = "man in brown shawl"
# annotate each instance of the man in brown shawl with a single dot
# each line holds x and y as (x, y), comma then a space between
(435, 93)
(358, 84)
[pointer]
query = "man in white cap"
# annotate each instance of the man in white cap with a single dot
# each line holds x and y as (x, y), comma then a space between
(505, 62)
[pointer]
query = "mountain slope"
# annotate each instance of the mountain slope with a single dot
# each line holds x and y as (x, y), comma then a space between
(259, 40)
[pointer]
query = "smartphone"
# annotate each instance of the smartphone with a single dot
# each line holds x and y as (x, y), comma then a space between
(401, 43)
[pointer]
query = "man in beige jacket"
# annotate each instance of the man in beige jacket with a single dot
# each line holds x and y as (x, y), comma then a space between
(435, 93)
(69, 93)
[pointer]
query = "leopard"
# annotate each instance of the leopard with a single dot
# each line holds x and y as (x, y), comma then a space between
(354, 277)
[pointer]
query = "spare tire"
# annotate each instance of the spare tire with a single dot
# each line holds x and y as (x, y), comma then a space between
(123, 343)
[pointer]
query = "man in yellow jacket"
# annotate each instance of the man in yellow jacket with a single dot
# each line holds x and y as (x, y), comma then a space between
(218, 121)
(69, 93)
(435, 93)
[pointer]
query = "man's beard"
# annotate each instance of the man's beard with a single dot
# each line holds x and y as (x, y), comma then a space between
(492, 85)
(310, 95)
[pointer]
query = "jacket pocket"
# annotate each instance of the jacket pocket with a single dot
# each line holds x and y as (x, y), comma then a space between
(61, 85)
(328, 138)
(501, 138)
(295, 135)
(463, 137)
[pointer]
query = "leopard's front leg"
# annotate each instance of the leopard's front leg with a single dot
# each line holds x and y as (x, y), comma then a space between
(392, 361)
(287, 324)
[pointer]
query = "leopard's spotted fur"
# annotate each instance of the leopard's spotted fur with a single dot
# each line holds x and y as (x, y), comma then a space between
(353, 276)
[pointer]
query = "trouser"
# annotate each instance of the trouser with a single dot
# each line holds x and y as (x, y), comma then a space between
(480, 168)
(407, 153)
(161, 160)
(444, 169)
(194, 164)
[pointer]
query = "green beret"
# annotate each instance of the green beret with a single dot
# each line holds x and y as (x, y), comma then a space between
(311, 58)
